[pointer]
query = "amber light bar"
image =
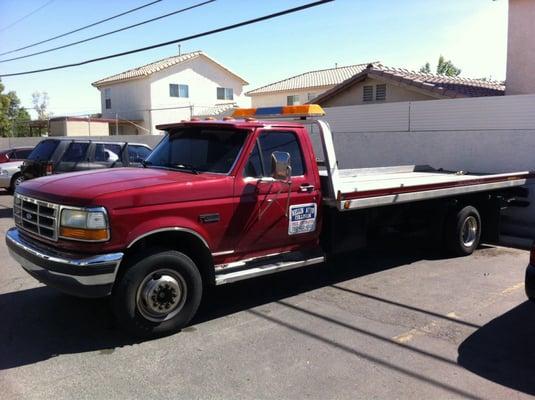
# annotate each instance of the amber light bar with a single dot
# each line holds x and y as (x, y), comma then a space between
(306, 110)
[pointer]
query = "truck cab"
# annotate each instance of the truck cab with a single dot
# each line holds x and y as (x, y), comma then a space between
(206, 199)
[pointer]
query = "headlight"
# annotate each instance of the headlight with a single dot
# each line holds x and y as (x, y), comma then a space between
(3, 172)
(88, 225)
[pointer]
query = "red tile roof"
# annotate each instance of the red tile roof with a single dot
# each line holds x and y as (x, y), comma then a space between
(436, 85)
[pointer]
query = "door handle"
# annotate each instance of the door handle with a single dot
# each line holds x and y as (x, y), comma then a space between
(305, 187)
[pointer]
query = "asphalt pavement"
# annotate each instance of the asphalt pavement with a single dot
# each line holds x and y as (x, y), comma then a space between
(395, 321)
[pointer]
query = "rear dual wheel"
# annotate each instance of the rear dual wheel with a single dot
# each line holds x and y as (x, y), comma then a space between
(463, 231)
(158, 294)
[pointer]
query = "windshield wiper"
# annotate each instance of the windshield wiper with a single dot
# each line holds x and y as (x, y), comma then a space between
(182, 166)
(188, 167)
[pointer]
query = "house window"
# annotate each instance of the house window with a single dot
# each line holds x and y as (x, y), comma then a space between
(107, 98)
(367, 93)
(178, 90)
(311, 96)
(292, 100)
(225, 93)
(380, 92)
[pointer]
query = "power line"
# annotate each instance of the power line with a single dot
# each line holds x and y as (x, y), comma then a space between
(25, 16)
(198, 35)
(82, 28)
(111, 32)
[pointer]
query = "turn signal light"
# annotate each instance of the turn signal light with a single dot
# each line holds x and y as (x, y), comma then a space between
(84, 234)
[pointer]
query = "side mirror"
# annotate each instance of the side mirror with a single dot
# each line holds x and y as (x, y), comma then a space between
(280, 165)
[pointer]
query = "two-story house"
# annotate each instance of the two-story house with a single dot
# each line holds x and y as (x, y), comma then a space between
(170, 90)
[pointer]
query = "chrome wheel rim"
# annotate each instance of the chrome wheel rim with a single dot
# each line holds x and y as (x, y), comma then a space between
(161, 295)
(469, 231)
(18, 181)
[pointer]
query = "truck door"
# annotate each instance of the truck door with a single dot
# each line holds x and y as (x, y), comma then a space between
(275, 216)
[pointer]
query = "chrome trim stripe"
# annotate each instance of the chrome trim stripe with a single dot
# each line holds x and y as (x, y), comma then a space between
(222, 253)
(221, 279)
(170, 229)
(241, 263)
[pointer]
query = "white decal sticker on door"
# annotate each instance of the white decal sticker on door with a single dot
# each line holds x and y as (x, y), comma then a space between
(302, 218)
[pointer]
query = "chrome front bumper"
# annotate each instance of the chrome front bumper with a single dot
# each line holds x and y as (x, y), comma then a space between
(78, 275)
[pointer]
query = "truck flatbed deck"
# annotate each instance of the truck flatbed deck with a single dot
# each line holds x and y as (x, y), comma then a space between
(370, 187)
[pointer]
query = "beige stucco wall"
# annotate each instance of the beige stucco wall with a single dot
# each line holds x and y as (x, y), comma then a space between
(281, 98)
(521, 47)
(78, 128)
(353, 95)
(57, 128)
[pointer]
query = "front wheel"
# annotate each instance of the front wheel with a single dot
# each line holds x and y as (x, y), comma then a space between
(158, 294)
(463, 231)
(16, 181)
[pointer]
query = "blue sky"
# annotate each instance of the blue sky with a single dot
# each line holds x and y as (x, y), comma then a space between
(472, 33)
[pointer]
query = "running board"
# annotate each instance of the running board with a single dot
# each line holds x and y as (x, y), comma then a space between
(271, 266)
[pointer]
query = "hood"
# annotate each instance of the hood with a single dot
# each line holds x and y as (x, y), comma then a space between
(127, 187)
(11, 165)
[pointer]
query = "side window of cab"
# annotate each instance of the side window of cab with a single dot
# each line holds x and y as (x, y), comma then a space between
(259, 163)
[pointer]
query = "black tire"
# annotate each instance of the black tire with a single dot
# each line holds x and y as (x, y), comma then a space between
(13, 184)
(459, 242)
(129, 304)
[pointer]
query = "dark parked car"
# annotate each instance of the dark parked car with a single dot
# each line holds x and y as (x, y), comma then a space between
(15, 154)
(56, 156)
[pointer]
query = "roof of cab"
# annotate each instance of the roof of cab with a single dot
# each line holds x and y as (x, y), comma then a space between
(233, 123)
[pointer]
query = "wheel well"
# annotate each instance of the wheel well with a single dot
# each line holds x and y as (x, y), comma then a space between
(15, 175)
(184, 242)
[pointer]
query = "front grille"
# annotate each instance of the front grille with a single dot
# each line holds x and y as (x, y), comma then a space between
(36, 216)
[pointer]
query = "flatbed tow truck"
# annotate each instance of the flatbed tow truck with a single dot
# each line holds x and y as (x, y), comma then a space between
(220, 201)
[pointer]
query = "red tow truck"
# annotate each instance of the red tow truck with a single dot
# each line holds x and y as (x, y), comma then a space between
(219, 201)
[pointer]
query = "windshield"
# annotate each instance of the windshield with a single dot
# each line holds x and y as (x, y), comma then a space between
(198, 149)
(43, 151)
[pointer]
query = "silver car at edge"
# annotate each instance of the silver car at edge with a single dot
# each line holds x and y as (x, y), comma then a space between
(10, 176)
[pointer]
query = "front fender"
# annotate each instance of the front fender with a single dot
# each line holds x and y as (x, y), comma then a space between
(168, 224)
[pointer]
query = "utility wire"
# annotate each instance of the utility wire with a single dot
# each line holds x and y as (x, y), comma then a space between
(111, 32)
(83, 27)
(26, 16)
(183, 39)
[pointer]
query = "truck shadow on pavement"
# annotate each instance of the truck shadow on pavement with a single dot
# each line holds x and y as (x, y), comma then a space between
(41, 323)
(503, 351)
